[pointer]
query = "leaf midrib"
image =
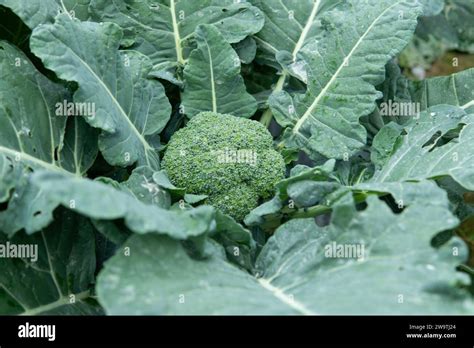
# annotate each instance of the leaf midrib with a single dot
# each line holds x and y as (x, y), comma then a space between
(315, 103)
(50, 122)
(62, 301)
(284, 298)
(115, 101)
(299, 44)
(176, 34)
(213, 83)
(26, 157)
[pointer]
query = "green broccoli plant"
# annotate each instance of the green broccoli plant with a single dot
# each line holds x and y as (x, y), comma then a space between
(379, 169)
(227, 158)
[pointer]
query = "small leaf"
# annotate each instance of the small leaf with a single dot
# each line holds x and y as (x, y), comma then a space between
(212, 77)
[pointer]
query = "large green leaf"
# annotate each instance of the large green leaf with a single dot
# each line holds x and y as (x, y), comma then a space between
(398, 91)
(33, 137)
(105, 202)
(456, 89)
(342, 68)
(289, 25)
(406, 156)
(61, 280)
(164, 29)
(30, 130)
(406, 193)
(130, 108)
(36, 12)
(399, 273)
(140, 185)
(419, 153)
(212, 78)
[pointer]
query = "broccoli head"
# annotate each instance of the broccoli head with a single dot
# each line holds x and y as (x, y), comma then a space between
(230, 159)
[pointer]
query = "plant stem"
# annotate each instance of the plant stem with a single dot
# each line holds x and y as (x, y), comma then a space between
(266, 118)
(317, 210)
(62, 301)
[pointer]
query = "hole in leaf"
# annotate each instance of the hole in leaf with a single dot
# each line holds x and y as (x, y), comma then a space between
(444, 139)
(37, 213)
(4, 205)
(56, 154)
(11, 164)
(361, 206)
(395, 206)
(433, 140)
(441, 238)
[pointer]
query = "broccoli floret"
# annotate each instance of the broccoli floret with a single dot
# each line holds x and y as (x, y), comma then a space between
(230, 159)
